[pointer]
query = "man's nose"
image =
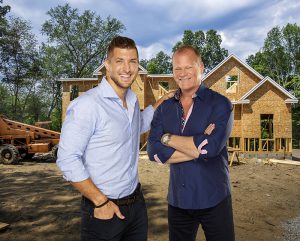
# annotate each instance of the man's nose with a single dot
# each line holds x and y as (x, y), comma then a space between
(182, 72)
(126, 67)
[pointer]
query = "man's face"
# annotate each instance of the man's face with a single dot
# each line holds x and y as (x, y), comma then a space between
(187, 70)
(122, 67)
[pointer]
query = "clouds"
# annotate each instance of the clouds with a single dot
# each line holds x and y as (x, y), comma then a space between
(247, 36)
(157, 25)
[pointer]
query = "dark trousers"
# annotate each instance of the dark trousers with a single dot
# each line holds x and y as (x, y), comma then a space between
(133, 228)
(216, 222)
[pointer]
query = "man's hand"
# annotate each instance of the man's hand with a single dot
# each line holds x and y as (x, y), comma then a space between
(108, 211)
(166, 96)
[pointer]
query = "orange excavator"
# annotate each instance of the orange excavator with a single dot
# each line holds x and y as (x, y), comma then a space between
(19, 140)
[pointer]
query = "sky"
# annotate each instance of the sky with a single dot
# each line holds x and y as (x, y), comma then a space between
(157, 25)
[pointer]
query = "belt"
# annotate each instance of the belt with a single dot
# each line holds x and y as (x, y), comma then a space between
(130, 199)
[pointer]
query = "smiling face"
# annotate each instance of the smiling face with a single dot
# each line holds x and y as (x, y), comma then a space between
(187, 70)
(122, 68)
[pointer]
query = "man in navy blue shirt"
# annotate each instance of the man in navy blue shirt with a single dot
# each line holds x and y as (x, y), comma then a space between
(189, 132)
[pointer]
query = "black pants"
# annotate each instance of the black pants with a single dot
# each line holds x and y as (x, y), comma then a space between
(217, 222)
(133, 228)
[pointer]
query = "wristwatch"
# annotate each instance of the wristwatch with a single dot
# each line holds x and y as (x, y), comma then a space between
(165, 139)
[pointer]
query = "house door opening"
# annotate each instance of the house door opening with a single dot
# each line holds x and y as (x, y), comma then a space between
(267, 132)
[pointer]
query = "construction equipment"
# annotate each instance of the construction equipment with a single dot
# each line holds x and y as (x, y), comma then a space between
(18, 140)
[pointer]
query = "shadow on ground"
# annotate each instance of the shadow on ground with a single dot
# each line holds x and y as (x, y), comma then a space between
(296, 155)
(40, 205)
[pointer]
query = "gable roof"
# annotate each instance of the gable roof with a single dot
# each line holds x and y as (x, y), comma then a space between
(243, 99)
(237, 59)
(291, 99)
(98, 71)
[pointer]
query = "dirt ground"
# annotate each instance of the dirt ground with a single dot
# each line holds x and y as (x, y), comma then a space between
(39, 205)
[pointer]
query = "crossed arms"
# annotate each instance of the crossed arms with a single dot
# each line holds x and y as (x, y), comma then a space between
(186, 148)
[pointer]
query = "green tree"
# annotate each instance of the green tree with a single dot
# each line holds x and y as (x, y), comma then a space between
(208, 45)
(144, 63)
(36, 107)
(19, 63)
(82, 37)
(4, 9)
(160, 64)
(4, 100)
(3, 22)
(53, 68)
(279, 58)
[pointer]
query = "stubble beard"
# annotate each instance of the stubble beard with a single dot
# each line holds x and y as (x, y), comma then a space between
(119, 84)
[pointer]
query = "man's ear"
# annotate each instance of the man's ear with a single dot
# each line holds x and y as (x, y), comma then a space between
(202, 67)
(107, 65)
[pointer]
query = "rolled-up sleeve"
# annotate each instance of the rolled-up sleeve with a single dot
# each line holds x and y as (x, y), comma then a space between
(222, 117)
(146, 118)
(156, 150)
(77, 130)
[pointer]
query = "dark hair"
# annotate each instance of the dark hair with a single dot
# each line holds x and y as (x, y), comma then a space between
(184, 48)
(121, 42)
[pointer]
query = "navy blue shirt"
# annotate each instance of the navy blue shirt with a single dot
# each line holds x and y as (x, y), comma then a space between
(202, 182)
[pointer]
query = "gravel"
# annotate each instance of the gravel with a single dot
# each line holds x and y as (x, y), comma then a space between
(292, 230)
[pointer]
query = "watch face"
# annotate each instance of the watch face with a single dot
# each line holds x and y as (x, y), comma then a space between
(165, 139)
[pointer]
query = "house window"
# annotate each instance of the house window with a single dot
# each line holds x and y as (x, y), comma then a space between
(266, 125)
(234, 142)
(283, 144)
(163, 88)
(267, 145)
(251, 144)
(164, 85)
(74, 92)
(231, 80)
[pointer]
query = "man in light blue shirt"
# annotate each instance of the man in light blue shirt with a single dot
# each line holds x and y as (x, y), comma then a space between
(99, 150)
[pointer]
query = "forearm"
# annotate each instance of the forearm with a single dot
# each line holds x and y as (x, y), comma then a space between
(88, 189)
(179, 157)
(184, 144)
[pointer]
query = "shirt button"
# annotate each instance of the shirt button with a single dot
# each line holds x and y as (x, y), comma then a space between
(183, 184)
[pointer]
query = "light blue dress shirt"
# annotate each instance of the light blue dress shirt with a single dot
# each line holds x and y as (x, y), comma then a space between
(100, 139)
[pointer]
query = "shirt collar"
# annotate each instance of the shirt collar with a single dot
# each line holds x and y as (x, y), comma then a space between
(108, 92)
(199, 93)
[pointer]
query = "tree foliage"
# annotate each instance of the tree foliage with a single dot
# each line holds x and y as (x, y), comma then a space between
(83, 38)
(208, 45)
(19, 63)
(160, 64)
(279, 57)
(3, 9)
